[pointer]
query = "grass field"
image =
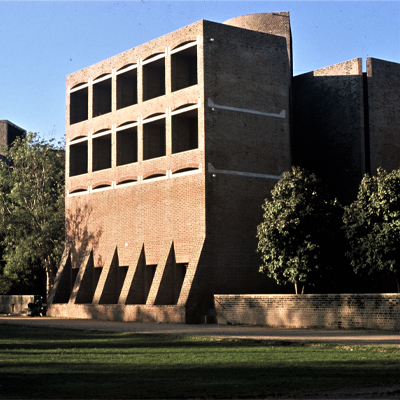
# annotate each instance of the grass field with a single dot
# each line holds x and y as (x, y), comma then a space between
(45, 363)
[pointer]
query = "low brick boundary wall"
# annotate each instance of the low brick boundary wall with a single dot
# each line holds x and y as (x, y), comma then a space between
(348, 311)
(14, 304)
(116, 312)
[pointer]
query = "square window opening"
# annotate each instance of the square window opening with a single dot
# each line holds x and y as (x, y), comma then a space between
(78, 158)
(154, 79)
(184, 68)
(102, 152)
(184, 131)
(127, 146)
(102, 98)
(154, 139)
(78, 106)
(127, 89)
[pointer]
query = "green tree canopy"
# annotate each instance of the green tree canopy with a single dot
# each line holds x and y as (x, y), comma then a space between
(372, 225)
(297, 236)
(31, 210)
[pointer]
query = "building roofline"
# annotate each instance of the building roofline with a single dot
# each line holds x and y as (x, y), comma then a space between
(12, 124)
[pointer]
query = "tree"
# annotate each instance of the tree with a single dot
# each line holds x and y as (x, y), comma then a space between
(31, 209)
(372, 225)
(298, 235)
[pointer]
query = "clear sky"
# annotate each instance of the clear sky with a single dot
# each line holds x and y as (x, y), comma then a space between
(43, 42)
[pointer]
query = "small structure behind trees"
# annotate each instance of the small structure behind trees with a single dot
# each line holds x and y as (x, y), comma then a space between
(31, 211)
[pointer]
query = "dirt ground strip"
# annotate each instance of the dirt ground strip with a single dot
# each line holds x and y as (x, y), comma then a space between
(237, 331)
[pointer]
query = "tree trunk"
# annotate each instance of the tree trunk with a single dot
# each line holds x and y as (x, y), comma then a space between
(49, 276)
(295, 287)
(302, 289)
(398, 285)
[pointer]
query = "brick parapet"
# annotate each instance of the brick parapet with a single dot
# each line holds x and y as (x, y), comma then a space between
(116, 312)
(14, 304)
(333, 311)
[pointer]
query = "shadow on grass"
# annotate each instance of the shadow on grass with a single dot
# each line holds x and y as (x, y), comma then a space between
(105, 381)
(59, 364)
(47, 339)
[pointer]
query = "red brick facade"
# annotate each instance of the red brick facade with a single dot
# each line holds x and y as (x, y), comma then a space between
(172, 148)
(166, 171)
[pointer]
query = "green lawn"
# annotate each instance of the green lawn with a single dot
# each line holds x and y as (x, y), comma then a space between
(45, 363)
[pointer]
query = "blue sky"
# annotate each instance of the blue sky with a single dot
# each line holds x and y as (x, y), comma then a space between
(43, 42)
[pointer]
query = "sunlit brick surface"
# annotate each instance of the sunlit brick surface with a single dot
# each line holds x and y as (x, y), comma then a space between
(334, 311)
(206, 111)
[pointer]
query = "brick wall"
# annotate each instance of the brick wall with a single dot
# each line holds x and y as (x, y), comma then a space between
(108, 312)
(383, 79)
(328, 126)
(347, 121)
(273, 23)
(348, 311)
(13, 304)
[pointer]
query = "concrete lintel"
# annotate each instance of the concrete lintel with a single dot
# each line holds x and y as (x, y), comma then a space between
(212, 170)
(211, 104)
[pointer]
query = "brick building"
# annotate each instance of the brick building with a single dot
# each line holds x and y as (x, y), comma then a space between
(348, 119)
(8, 133)
(171, 149)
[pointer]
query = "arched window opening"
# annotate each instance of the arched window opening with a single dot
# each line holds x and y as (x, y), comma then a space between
(126, 181)
(78, 138)
(158, 175)
(101, 131)
(126, 67)
(78, 190)
(182, 170)
(149, 117)
(182, 107)
(100, 77)
(126, 123)
(101, 186)
(184, 44)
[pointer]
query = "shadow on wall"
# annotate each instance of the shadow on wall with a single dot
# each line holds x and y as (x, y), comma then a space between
(287, 311)
(120, 312)
(329, 130)
(78, 238)
(138, 313)
(332, 311)
(79, 243)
